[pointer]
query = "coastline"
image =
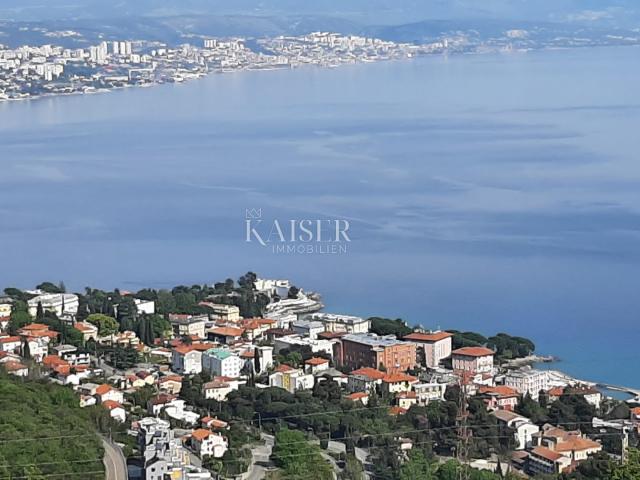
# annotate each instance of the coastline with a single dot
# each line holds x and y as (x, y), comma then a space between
(220, 71)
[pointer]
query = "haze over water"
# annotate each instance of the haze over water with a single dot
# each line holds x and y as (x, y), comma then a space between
(490, 193)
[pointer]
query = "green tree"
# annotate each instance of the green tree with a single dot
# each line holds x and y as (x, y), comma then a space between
(106, 325)
(386, 326)
(416, 467)
(353, 469)
(298, 458)
(631, 468)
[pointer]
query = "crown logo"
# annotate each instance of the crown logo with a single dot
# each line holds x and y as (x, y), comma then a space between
(253, 213)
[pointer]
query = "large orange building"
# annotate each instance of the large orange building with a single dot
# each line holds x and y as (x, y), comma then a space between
(359, 350)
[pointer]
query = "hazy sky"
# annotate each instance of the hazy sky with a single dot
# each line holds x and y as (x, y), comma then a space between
(623, 12)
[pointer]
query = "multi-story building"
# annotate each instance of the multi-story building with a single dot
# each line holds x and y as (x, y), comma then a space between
(473, 360)
(527, 382)
(308, 328)
(295, 342)
(88, 331)
(523, 428)
(429, 392)
(162, 454)
(436, 346)
(208, 444)
(500, 397)
(364, 379)
(186, 359)
(339, 323)
(370, 350)
(554, 449)
(291, 379)
(57, 303)
(222, 362)
(188, 325)
(226, 313)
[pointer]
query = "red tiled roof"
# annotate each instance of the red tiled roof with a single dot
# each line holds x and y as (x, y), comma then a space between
(111, 404)
(370, 373)
(35, 326)
(357, 396)
(284, 368)
(500, 390)
(556, 391)
(104, 388)
(200, 434)
(397, 411)
(9, 339)
(428, 337)
(473, 352)
(544, 452)
(227, 331)
(12, 366)
(85, 327)
(398, 377)
(315, 361)
(53, 360)
(576, 444)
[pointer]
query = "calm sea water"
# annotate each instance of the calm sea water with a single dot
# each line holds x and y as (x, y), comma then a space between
(493, 193)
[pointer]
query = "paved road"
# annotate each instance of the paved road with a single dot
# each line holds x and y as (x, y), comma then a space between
(114, 462)
(260, 459)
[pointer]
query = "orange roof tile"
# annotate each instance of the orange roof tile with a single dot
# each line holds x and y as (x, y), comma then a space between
(85, 327)
(201, 434)
(284, 368)
(544, 452)
(398, 377)
(53, 360)
(111, 404)
(428, 337)
(315, 361)
(500, 390)
(228, 331)
(104, 388)
(573, 444)
(370, 373)
(397, 411)
(357, 396)
(473, 352)
(9, 339)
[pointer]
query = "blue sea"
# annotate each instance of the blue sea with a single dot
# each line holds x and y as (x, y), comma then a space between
(496, 193)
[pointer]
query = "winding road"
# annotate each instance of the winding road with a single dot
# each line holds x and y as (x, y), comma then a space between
(114, 462)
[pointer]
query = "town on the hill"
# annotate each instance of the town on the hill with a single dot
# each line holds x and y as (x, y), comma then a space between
(251, 379)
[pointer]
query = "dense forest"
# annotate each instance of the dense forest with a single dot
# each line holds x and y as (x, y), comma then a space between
(44, 433)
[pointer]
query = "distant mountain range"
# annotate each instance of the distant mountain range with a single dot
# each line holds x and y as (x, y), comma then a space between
(191, 28)
(620, 13)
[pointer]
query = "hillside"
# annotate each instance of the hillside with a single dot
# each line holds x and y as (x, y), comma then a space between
(45, 434)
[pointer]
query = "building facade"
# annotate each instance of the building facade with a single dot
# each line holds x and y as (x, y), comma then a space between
(370, 350)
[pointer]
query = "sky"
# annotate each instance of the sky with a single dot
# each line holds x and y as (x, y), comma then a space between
(612, 12)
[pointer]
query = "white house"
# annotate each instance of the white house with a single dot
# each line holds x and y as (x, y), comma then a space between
(291, 379)
(308, 328)
(429, 392)
(145, 306)
(116, 411)
(106, 392)
(527, 381)
(435, 345)
(222, 362)
(185, 359)
(524, 428)
(207, 443)
(10, 344)
(57, 303)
